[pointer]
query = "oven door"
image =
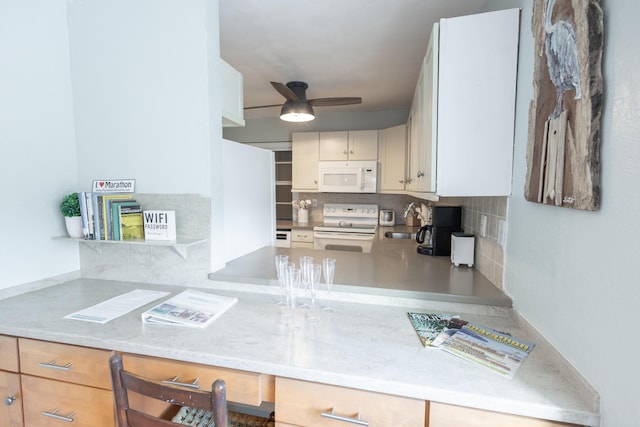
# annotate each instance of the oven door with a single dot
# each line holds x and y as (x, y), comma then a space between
(337, 241)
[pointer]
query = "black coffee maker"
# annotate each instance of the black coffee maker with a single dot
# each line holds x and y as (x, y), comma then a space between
(435, 238)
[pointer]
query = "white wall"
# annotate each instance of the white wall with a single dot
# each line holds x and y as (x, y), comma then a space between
(38, 160)
(574, 274)
(248, 226)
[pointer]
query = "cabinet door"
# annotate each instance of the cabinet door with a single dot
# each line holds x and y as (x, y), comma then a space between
(363, 145)
(441, 415)
(415, 162)
(476, 103)
(304, 403)
(392, 155)
(65, 362)
(334, 146)
(51, 403)
(11, 405)
(304, 163)
(430, 115)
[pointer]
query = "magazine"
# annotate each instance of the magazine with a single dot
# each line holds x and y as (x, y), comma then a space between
(189, 308)
(432, 328)
(499, 352)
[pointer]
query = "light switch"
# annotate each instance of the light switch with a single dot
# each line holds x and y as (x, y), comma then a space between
(501, 226)
(483, 225)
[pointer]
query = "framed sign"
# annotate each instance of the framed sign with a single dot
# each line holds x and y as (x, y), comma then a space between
(563, 151)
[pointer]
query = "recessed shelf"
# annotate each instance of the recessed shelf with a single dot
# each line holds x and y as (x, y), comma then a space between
(180, 245)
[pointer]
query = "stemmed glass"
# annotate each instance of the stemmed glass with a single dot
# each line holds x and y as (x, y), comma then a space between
(328, 269)
(314, 282)
(281, 263)
(306, 270)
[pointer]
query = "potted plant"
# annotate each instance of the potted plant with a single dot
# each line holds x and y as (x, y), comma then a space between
(70, 208)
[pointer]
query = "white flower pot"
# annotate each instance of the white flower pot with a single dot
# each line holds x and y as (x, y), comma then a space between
(74, 226)
(303, 215)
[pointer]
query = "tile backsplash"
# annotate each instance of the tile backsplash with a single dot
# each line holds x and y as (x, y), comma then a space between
(489, 253)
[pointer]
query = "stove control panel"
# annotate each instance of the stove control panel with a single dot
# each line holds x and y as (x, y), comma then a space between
(350, 210)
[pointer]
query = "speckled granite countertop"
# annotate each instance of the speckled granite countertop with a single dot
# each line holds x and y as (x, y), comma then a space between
(367, 346)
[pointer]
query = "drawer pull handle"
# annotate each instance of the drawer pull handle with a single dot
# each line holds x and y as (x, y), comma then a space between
(174, 381)
(333, 416)
(54, 414)
(9, 400)
(52, 365)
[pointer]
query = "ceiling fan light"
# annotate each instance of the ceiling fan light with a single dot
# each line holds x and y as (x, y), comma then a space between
(297, 112)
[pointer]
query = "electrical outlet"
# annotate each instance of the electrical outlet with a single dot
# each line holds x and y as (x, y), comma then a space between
(501, 226)
(314, 203)
(483, 225)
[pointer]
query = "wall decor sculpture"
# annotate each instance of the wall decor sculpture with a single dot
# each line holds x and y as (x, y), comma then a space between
(563, 151)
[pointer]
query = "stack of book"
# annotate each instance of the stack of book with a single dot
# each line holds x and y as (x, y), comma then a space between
(494, 350)
(111, 216)
(118, 216)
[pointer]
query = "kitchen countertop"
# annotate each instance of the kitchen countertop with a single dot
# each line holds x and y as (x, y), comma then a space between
(366, 346)
(392, 269)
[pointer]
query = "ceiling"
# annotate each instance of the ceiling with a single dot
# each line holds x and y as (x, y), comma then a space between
(364, 48)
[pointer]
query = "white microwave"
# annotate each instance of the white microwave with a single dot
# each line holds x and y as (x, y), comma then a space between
(348, 177)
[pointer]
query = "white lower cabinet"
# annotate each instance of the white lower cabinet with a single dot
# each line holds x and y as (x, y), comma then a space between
(302, 238)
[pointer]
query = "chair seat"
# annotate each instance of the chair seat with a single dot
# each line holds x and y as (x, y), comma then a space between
(202, 418)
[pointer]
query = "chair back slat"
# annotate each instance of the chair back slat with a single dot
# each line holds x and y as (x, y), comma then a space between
(123, 381)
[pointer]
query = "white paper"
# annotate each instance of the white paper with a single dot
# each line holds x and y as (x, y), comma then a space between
(116, 306)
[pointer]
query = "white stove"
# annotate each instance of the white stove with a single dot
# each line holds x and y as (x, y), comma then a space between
(347, 227)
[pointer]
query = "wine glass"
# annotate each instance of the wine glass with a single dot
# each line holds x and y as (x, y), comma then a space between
(281, 263)
(292, 280)
(328, 269)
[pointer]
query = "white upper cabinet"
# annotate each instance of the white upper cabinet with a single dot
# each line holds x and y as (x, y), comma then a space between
(476, 104)
(349, 145)
(392, 155)
(304, 161)
(231, 94)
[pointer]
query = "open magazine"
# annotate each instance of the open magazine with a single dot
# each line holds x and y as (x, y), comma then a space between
(497, 351)
(189, 308)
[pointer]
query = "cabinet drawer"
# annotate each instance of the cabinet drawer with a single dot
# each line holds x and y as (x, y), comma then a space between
(9, 352)
(442, 415)
(65, 362)
(308, 404)
(302, 235)
(242, 387)
(11, 406)
(76, 405)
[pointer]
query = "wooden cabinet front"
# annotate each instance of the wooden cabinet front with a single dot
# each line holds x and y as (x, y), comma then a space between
(81, 365)
(442, 415)
(304, 163)
(57, 403)
(302, 403)
(11, 405)
(249, 388)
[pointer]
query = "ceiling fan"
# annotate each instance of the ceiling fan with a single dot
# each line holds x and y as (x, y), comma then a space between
(297, 108)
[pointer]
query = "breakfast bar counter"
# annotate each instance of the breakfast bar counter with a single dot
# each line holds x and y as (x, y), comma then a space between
(392, 269)
(370, 347)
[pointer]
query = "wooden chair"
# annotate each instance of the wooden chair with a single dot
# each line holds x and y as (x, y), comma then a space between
(123, 381)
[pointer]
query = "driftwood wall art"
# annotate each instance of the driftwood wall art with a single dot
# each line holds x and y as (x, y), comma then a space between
(563, 151)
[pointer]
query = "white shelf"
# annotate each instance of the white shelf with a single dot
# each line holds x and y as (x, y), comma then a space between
(180, 245)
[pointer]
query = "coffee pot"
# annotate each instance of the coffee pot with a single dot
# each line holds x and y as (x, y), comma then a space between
(424, 236)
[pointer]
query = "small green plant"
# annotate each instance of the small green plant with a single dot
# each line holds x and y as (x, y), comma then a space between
(70, 205)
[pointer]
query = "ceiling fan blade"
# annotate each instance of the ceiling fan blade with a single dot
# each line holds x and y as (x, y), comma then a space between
(285, 91)
(327, 102)
(262, 106)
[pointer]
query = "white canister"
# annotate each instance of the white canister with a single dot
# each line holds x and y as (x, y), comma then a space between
(303, 215)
